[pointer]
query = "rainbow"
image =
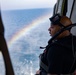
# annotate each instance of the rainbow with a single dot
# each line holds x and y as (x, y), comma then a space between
(27, 28)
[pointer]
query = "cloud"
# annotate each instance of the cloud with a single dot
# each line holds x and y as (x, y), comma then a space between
(26, 4)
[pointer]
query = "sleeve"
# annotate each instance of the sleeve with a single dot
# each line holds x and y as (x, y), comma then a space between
(54, 57)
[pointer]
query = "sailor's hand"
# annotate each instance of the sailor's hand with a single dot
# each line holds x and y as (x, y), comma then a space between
(38, 72)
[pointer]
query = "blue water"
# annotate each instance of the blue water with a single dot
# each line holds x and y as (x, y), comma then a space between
(14, 20)
(25, 51)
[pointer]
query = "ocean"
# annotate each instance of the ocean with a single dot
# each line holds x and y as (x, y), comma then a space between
(25, 31)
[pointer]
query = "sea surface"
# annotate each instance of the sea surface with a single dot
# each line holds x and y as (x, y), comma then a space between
(25, 31)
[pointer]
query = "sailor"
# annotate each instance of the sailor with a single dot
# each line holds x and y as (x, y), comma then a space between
(60, 53)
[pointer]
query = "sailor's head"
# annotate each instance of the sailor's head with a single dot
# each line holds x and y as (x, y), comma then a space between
(58, 22)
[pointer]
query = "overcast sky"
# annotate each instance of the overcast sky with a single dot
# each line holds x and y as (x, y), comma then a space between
(26, 4)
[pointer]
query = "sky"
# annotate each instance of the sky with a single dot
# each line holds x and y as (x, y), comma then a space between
(26, 4)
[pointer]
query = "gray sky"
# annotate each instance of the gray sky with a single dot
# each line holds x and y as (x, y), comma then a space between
(26, 4)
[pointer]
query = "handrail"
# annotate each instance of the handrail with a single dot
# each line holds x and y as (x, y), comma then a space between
(3, 47)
